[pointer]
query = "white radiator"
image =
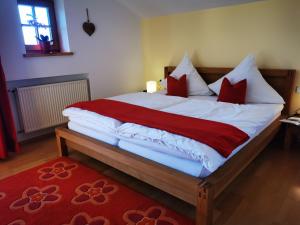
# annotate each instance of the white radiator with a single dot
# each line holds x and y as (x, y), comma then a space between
(41, 106)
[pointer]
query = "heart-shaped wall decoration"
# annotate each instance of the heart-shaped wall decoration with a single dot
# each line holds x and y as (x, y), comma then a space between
(88, 27)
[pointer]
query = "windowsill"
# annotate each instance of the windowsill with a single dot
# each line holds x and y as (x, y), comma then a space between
(47, 54)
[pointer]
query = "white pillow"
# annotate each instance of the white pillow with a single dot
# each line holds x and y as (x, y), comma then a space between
(196, 85)
(258, 90)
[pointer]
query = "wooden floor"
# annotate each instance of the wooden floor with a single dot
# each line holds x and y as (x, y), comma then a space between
(267, 193)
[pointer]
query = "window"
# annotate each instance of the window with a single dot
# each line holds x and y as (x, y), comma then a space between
(37, 20)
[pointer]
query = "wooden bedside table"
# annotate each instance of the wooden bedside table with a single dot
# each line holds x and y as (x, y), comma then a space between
(292, 132)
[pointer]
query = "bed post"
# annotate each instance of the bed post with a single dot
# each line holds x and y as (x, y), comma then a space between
(61, 146)
(204, 208)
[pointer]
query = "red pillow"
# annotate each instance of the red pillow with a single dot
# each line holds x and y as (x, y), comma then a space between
(177, 87)
(233, 93)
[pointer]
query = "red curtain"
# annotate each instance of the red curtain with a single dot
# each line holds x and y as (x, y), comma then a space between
(8, 136)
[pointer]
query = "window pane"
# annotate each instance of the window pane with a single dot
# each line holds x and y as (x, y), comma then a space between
(42, 15)
(29, 35)
(25, 12)
(45, 31)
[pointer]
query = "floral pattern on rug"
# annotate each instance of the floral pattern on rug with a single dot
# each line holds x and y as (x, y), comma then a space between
(17, 222)
(86, 197)
(96, 193)
(153, 216)
(59, 170)
(2, 195)
(33, 199)
(84, 219)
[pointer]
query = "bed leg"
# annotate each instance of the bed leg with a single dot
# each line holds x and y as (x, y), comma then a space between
(62, 146)
(204, 210)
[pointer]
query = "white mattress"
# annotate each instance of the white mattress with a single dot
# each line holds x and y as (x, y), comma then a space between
(190, 167)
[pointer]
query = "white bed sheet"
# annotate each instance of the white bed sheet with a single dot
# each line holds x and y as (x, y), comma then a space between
(208, 98)
(199, 97)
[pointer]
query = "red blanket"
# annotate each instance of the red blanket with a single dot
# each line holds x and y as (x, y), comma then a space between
(224, 138)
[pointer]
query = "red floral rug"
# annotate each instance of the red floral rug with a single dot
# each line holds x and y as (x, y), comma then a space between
(65, 192)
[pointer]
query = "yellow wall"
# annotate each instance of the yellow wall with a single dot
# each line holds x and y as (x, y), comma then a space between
(223, 37)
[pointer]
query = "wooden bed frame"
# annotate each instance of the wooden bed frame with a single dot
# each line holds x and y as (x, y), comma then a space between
(198, 192)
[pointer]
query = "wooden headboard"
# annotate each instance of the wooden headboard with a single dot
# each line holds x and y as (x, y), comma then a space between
(281, 80)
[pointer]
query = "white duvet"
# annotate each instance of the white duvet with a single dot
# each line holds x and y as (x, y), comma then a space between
(249, 118)
(99, 122)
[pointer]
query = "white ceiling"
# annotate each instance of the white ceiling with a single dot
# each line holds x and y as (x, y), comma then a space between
(152, 8)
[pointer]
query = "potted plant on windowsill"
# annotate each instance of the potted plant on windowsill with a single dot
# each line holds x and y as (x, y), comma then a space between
(44, 42)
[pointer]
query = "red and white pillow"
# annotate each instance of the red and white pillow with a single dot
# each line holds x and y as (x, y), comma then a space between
(177, 87)
(233, 93)
(196, 84)
(258, 90)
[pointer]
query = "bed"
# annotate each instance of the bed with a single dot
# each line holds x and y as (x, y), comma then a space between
(198, 190)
